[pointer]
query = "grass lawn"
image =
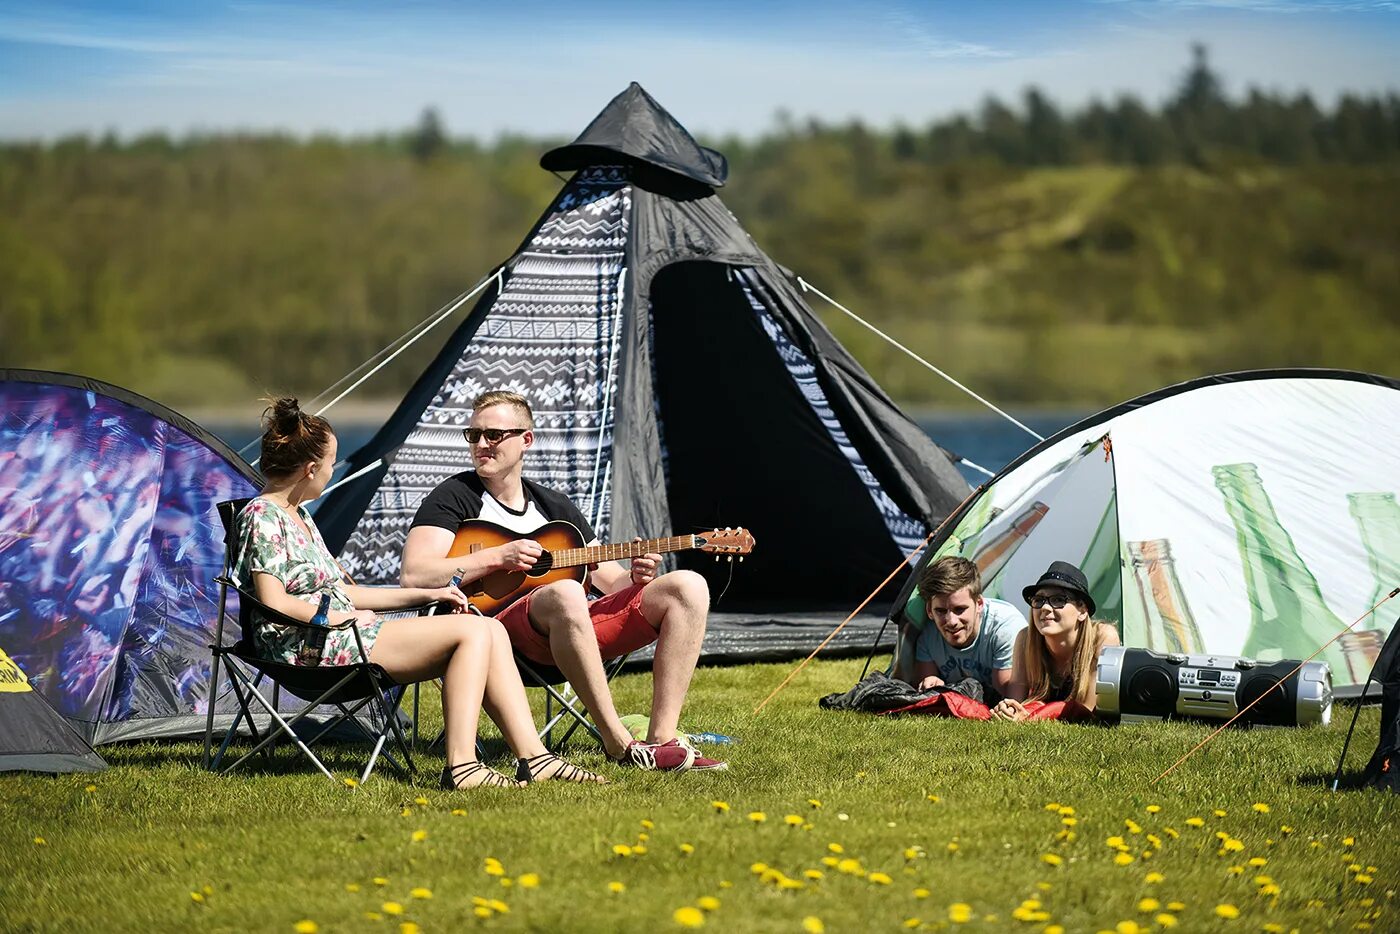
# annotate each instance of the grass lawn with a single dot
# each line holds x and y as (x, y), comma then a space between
(825, 821)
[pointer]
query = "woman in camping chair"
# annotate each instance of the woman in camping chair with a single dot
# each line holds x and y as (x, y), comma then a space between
(283, 560)
(1056, 657)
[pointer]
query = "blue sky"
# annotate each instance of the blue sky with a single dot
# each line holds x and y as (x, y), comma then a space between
(719, 66)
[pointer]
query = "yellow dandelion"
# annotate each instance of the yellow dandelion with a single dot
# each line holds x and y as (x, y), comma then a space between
(758, 869)
(90, 789)
(1171, 832)
(1166, 920)
(813, 925)
(1133, 826)
(814, 874)
(1153, 878)
(1155, 841)
(1232, 845)
(878, 878)
(373, 916)
(1176, 906)
(391, 908)
(1258, 861)
(1148, 905)
(617, 888)
(934, 798)
(40, 841)
(197, 897)
(1069, 821)
(492, 866)
(1128, 927)
(1227, 911)
(1052, 859)
(1195, 822)
(1361, 878)
(498, 906)
(481, 911)
(1236, 870)
(1273, 927)
(959, 912)
(409, 927)
(1054, 929)
(207, 889)
(380, 880)
(459, 812)
(1154, 809)
(687, 848)
(792, 820)
(912, 923)
(757, 817)
(726, 884)
(352, 887)
(1123, 859)
(688, 917)
(721, 807)
(421, 892)
(1116, 842)
(306, 927)
(1270, 889)
(638, 850)
(350, 782)
(835, 848)
(849, 866)
(1348, 841)
(620, 849)
(419, 836)
(1285, 830)
(707, 903)
(1260, 807)
(921, 893)
(1066, 811)
(648, 824)
(1052, 806)
(953, 847)
(1044, 886)
(1218, 813)
(913, 852)
(830, 862)
(405, 812)
(421, 801)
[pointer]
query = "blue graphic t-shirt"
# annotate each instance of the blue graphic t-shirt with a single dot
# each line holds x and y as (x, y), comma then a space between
(990, 651)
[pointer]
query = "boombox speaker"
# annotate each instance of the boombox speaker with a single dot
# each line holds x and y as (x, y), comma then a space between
(1137, 684)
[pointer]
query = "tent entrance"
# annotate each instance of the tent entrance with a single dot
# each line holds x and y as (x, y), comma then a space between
(745, 444)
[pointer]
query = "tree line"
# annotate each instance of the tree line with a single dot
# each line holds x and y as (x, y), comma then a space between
(1150, 244)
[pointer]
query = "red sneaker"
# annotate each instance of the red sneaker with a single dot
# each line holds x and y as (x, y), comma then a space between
(670, 756)
(703, 763)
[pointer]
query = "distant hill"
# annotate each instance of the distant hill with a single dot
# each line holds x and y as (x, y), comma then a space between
(1052, 259)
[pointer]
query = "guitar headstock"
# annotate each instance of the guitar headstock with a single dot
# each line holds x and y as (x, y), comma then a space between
(726, 542)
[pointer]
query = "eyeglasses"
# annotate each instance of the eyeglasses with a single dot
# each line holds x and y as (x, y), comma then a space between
(492, 435)
(1057, 600)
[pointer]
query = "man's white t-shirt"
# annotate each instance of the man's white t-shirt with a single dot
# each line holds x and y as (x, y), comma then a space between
(990, 651)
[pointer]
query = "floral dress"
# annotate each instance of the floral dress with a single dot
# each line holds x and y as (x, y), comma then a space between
(270, 542)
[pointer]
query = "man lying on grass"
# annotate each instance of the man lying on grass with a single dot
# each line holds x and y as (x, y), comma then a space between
(971, 636)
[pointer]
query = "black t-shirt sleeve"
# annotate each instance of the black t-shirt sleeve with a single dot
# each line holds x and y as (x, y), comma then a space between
(451, 503)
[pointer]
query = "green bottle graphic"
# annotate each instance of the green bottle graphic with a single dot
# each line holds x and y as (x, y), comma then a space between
(1377, 516)
(1170, 625)
(1289, 617)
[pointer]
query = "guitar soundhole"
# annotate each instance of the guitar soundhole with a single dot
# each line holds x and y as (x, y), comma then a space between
(542, 566)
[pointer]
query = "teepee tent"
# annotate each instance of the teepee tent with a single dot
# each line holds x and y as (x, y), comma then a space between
(109, 544)
(680, 383)
(1246, 514)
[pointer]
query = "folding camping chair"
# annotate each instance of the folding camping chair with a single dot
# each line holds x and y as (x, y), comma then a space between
(348, 688)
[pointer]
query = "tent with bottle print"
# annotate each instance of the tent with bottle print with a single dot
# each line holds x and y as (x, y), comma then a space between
(1246, 514)
(679, 383)
(109, 545)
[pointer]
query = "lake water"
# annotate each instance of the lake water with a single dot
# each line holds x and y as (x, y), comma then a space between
(985, 439)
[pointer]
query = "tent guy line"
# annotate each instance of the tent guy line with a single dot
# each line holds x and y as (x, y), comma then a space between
(808, 287)
(1350, 627)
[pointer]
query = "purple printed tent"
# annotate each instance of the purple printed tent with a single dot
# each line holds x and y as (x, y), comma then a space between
(109, 544)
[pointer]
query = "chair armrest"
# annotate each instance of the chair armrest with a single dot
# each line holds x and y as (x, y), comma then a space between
(275, 616)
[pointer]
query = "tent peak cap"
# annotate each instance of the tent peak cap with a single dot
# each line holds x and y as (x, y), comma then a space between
(634, 129)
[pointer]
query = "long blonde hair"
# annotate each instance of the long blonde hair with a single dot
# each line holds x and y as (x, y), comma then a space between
(1036, 662)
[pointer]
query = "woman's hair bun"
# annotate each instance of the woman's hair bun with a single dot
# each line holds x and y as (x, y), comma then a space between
(291, 437)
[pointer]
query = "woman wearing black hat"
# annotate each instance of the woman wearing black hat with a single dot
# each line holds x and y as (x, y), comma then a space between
(1057, 656)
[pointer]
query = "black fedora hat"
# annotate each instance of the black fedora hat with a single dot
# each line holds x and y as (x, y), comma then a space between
(1066, 576)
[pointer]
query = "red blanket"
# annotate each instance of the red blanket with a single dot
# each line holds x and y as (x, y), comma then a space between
(952, 704)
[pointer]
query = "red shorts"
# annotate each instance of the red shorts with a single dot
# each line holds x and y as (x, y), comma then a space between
(617, 620)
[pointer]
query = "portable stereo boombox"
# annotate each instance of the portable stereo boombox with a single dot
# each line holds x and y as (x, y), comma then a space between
(1138, 684)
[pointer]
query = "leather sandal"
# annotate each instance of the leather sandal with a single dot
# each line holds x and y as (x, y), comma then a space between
(532, 769)
(453, 774)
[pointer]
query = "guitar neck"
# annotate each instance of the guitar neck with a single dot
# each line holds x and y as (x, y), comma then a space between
(594, 554)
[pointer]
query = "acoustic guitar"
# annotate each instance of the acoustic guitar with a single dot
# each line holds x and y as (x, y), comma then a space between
(567, 557)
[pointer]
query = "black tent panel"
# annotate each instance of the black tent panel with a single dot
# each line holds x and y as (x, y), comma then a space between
(33, 737)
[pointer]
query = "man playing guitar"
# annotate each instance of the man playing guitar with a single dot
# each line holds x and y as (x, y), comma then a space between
(555, 623)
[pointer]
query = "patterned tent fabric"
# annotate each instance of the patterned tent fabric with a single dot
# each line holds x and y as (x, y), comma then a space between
(552, 335)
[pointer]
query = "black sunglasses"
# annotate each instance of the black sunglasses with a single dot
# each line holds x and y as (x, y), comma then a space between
(1056, 601)
(492, 435)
